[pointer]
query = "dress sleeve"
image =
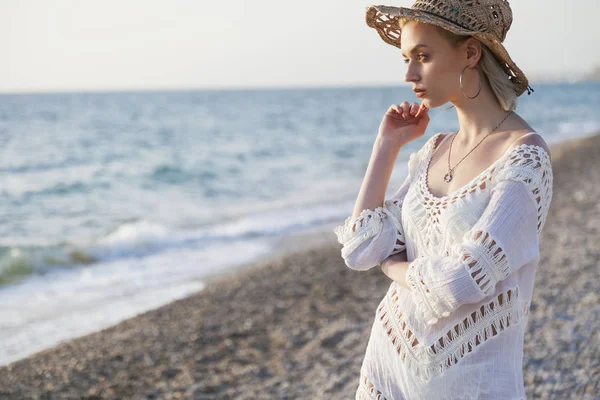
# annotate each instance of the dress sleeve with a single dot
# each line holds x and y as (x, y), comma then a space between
(505, 238)
(376, 234)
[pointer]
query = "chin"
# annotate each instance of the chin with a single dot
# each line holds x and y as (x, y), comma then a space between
(433, 103)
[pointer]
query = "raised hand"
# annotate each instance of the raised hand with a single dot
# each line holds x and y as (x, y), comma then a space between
(405, 122)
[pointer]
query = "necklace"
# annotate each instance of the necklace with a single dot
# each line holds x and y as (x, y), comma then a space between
(448, 176)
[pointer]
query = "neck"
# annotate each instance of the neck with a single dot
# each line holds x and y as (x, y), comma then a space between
(478, 117)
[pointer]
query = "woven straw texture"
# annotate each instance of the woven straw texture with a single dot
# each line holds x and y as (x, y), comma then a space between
(486, 20)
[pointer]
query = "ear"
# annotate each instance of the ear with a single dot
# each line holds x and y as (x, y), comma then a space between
(473, 51)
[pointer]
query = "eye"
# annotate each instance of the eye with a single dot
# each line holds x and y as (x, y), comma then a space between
(406, 60)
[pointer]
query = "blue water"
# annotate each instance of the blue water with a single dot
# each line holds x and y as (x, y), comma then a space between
(115, 203)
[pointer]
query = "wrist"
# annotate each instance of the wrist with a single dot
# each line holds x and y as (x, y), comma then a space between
(387, 143)
(395, 270)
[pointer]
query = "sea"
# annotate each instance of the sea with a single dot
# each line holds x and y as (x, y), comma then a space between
(115, 203)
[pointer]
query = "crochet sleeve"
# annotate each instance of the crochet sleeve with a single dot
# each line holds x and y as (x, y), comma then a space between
(376, 234)
(505, 238)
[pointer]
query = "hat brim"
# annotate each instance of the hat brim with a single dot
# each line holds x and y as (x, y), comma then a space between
(385, 20)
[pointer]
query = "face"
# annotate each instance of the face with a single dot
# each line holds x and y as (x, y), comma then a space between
(435, 67)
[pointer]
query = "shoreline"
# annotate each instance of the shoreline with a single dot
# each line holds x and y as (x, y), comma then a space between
(296, 323)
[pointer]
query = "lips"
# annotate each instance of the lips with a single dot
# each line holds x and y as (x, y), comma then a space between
(418, 90)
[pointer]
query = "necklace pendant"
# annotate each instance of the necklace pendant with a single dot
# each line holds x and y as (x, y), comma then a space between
(448, 177)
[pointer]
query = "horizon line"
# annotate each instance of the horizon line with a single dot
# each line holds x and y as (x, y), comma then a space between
(561, 80)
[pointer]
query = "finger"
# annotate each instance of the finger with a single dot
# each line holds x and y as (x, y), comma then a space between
(414, 109)
(422, 110)
(424, 115)
(405, 109)
(398, 108)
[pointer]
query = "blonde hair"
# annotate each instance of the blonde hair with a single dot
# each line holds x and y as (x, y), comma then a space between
(502, 87)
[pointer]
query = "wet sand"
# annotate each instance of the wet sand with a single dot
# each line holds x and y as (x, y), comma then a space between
(296, 325)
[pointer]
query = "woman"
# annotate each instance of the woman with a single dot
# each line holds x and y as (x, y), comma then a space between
(460, 237)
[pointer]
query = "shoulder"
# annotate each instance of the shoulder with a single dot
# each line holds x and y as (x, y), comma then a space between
(439, 137)
(528, 161)
(429, 145)
(535, 140)
(434, 141)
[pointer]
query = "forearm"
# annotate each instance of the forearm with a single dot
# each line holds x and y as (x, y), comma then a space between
(377, 177)
(395, 268)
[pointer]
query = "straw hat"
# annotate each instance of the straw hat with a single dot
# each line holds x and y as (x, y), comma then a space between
(486, 20)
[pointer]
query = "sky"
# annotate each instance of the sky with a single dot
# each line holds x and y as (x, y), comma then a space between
(89, 45)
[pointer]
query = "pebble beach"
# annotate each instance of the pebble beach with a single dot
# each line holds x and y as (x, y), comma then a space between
(296, 324)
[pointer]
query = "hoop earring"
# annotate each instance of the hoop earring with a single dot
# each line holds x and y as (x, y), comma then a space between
(480, 82)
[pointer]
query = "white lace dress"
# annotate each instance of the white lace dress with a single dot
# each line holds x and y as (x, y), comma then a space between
(458, 332)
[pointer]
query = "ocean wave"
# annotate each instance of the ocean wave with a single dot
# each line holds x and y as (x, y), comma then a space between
(141, 238)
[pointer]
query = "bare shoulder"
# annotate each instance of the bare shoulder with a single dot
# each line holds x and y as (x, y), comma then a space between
(533, 140)
(439, 138)
(431, 143)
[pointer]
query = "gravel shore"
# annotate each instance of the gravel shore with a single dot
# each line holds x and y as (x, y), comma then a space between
(296, 326)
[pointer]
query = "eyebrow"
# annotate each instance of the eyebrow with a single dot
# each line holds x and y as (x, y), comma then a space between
(415, 48)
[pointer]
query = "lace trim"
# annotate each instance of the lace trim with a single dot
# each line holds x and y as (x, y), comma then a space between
(483, 258)
(355, 231)
(422, 296)
(531, 164)
(476, 185)
(366, 389)
(369, 223)
(525, 162)
(486, 260)
(394, 209)
(426, 362)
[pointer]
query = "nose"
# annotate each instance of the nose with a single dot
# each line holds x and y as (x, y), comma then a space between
(411, 74)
